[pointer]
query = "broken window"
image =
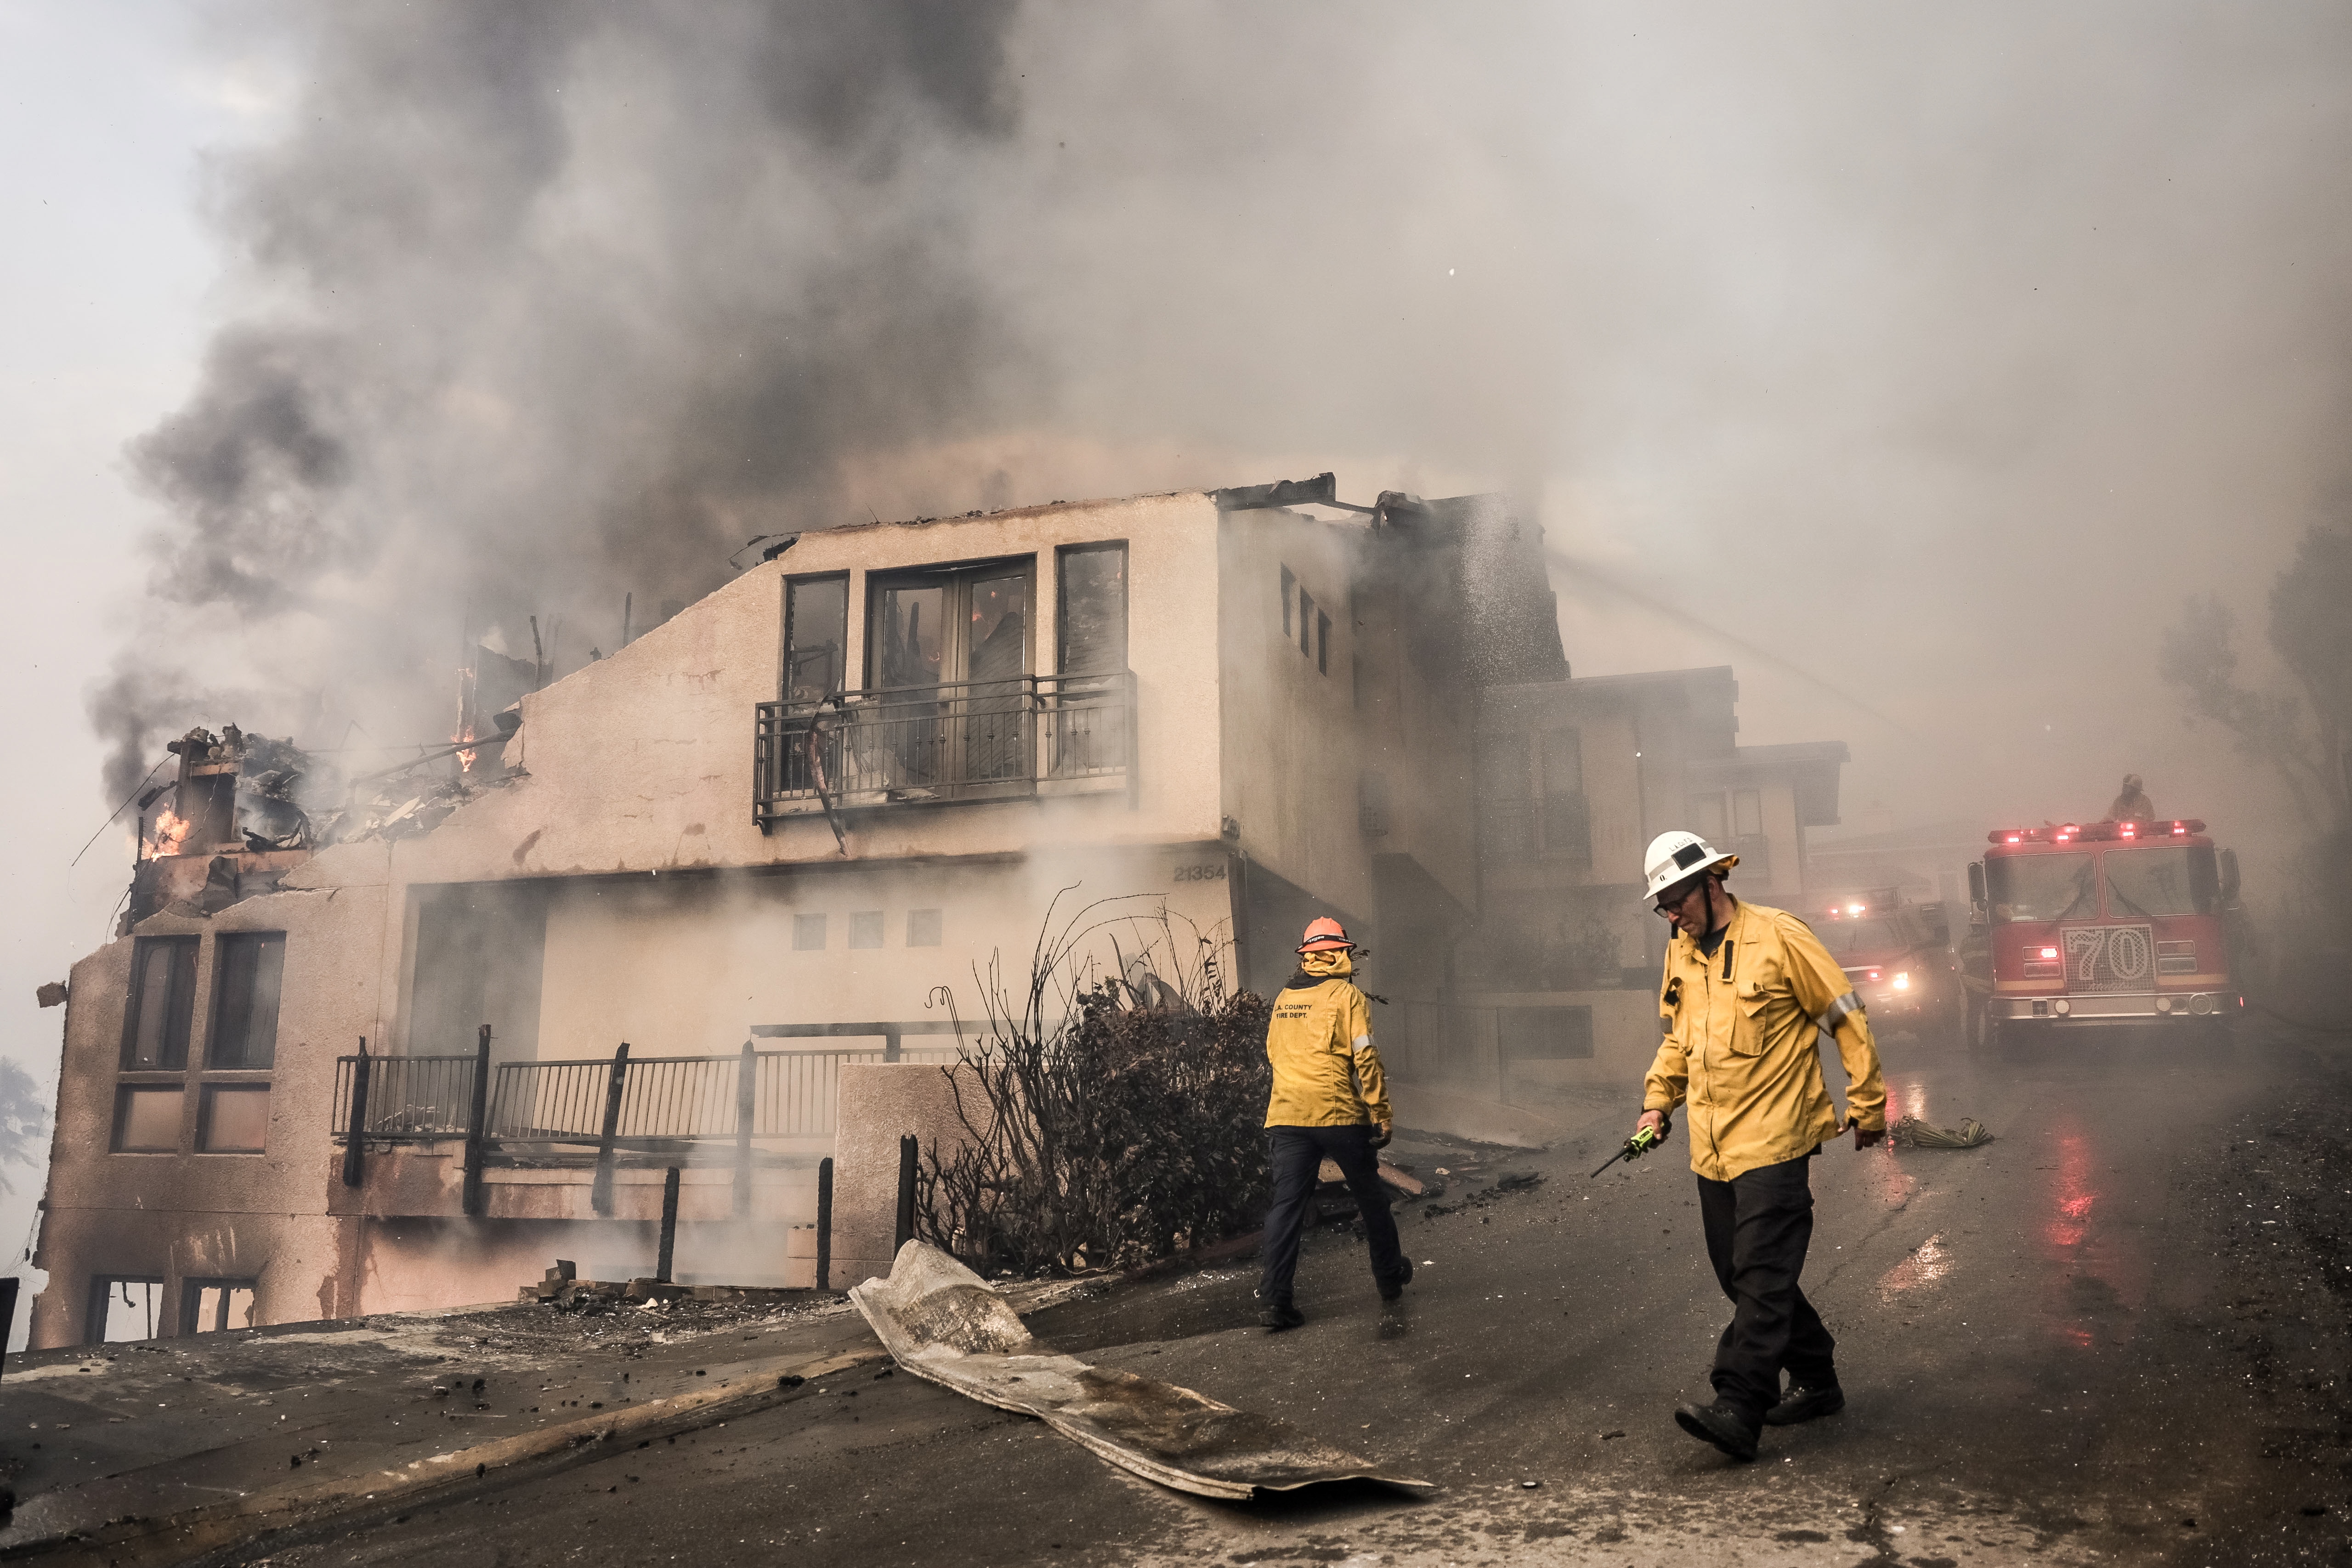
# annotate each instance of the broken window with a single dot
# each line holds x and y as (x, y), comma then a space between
(480, 951)
(211, 1306)
(248, 969)
(951, 647)
(1306, 622)
(923, 927)
(1093, 591)
(234, 1118)
(1322, 643)
(123, 1307)
(162, 1004)
(816, 638)
(808, 933)
(866, 928)
(147, 1119)
(1289, 596)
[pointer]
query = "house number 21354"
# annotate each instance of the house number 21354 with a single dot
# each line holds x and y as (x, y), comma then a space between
(1209, 871)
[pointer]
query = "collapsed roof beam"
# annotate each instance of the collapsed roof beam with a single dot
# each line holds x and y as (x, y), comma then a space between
(1320, 491)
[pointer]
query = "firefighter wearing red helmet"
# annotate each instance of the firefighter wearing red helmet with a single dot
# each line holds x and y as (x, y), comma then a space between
(1331, 1101)
(1746, 994)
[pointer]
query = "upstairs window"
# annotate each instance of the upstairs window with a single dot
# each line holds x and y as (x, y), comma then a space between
(816, 638)
(1092, 585)
(1322, 643)
(244, 1000)
(163, 1005)
(1289, 600)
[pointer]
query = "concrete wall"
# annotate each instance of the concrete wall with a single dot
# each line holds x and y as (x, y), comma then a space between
(880, 1104)
(1288, 723)
(230, 1215)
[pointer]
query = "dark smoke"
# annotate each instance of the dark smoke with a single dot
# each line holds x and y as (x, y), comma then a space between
(556, 303)
(1937, 354)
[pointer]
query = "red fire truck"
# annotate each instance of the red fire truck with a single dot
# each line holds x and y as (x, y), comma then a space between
(2099, 924)
(1898, 957)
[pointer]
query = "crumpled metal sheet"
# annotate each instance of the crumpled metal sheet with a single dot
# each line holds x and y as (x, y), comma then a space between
(941, 1321)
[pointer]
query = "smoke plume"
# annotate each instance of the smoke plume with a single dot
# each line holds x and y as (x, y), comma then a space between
(1940, 353)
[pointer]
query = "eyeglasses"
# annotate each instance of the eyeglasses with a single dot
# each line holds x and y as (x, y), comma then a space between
(1669, 904)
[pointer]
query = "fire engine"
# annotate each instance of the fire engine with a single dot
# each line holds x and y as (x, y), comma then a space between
(1898, 957)
(2097, 925)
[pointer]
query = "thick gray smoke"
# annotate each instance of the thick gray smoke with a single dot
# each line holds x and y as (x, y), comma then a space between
(559, 303)
(1942, 353)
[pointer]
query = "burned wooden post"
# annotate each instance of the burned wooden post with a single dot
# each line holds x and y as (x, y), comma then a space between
(477, 1116)
(747, 1073)
(669, 1225)
(8, 1310)
(907, 1147)
(825, 1223)
(354, 1154)
(600, 1194)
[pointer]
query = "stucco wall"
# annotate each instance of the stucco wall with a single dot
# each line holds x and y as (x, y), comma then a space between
(237, 1215)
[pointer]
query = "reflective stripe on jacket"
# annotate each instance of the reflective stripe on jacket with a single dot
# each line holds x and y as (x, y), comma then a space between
(1326, 1073)
(1741, 1050)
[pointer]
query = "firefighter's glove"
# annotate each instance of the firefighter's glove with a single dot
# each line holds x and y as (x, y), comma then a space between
(1863, 1138)
(1380, 1134)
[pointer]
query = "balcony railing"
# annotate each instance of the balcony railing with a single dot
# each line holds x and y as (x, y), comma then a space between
(409, 1099)
(974, 740)
(669, 1100)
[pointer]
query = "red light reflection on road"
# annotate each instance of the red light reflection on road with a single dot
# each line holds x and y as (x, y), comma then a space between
(2071, 1204)
(2096, 1282)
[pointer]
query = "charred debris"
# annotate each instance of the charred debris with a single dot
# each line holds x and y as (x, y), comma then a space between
(245, 810)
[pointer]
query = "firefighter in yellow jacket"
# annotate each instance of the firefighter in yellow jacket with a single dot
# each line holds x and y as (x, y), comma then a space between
(1747, 993)
(1330, 1102)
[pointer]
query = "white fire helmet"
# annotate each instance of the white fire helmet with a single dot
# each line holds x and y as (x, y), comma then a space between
(1676, 855)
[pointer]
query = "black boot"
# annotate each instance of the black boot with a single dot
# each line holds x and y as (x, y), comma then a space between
(1281, 1315)
(1803, 1404)
(1720, 1424)
(1393, 1286)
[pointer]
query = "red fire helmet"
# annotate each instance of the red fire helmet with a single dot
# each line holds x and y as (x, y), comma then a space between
(1323, 934)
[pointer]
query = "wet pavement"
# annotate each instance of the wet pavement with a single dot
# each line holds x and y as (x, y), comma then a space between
(2118, 1333)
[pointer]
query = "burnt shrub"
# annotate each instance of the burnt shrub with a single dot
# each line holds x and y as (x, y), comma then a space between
(1110, 1121)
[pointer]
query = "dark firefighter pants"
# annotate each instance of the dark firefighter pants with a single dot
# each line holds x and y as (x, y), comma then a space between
(1758, 1227)
(1297, 1154)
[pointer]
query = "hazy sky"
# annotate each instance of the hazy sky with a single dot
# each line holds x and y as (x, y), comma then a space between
(1941, 349)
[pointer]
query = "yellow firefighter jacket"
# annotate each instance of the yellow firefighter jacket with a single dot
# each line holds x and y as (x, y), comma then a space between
(1740, 1048)
(1326, 1073)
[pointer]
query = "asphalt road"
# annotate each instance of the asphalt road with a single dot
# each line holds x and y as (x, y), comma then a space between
(2118, 1333)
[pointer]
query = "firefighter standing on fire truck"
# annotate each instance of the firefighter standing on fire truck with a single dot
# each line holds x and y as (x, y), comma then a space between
(1746, 994)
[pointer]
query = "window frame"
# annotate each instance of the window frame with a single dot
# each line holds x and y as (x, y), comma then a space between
(225, 945)
(125, 1090)
(784, 652)
(209, 1093)
(1062, 555)
(181, 1011)
(957, 578)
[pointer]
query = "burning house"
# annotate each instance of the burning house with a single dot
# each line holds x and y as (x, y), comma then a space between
(397, 1043)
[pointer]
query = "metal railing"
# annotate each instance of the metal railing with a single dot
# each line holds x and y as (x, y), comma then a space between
(409, 1099)
(673, 1109)
(664, 1099)
(972, 740)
